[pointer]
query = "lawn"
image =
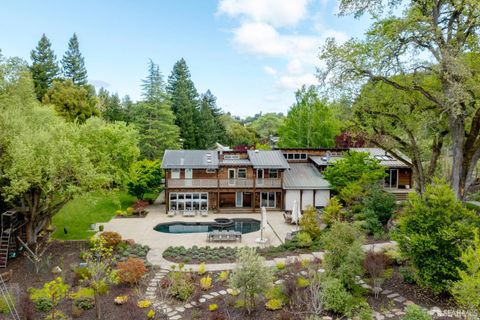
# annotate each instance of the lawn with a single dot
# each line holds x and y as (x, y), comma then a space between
(80, 213)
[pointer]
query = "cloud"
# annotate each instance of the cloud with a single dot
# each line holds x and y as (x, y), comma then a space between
(295, 82)
(99, 83)
(279, 13)
(294, 66)
(269, 70)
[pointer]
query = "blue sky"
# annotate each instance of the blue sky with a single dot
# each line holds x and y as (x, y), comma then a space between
(252, 54)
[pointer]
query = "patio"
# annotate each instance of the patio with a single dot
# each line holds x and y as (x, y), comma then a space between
(141, 230)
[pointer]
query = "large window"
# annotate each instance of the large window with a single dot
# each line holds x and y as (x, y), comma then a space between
(295, 156)
(242, 173)
(273, 173)
(175, 173)
(268, 199)
(391, 180)
(188, 201)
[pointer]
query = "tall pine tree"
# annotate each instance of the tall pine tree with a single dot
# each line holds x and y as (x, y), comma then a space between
(184, 99)
(155, 118)
(44, 66)
(73, 63)
(212, 129)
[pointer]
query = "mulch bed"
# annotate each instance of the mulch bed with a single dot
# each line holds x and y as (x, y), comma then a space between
(66, 254)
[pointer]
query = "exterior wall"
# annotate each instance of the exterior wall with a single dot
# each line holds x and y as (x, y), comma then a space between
(322, 197)
(404, 178)
(290, 196)
(307, 199)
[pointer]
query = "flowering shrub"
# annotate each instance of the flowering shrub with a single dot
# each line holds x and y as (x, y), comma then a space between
(302, 282)
(131, 271)
(111, 238)
(144, 304)
(274, 304)
(212, 307)
(202, 269)
(121, 299)
(223, 275)
(206, 283)
(151, 314)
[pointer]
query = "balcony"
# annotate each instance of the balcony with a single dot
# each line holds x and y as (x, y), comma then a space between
(224, 183)
(192, 183)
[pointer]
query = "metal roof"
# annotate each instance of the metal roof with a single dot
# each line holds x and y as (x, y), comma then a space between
(304, 176)
(264, 159)
(389, 161)
(190, 159)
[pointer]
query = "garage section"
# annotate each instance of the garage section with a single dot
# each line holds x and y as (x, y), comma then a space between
(305, 184)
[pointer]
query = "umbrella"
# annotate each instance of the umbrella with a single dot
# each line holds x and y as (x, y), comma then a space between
(263, 226)
(296, 213)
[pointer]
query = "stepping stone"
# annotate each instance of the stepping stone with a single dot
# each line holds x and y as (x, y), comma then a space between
(172, 313)
(168, 310)
(318, 255)
(389, 315)
(409, 303)
(180, 309)
(280, 260)
(379, 317)
(321, 270)
(176, 317)
(193, 303)
(365, 286)
(202, 300)
(303, 273)
(400, 299)
(279, 281)
(222, 292)
(327, 318)
(393, 295)
(188, 306)
(307, 257)
(215, 294)
(151, 288)
(386, 291)
(360, 281)
(207, 296)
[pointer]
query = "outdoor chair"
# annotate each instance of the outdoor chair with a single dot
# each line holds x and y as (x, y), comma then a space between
(288, 217)
(204, 213)
(171, 213)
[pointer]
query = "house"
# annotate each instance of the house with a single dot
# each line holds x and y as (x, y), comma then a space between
(245, 180)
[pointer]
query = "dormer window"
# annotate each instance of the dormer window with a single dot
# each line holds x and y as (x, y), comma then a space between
(175, 173)
(231, 157)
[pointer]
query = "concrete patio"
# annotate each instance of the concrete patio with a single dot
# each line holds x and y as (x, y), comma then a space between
(141, 230)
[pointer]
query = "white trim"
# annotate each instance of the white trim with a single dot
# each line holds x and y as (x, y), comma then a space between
(237, 194)
(175, 174)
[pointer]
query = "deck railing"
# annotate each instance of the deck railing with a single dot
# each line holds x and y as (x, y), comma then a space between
(224, 183)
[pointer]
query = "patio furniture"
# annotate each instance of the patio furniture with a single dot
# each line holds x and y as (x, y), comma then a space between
(171, 213)
(224, 236)
(204, 213)
(288, 217)
(189, 213)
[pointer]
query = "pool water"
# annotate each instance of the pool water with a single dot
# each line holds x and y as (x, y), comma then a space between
(245, 225)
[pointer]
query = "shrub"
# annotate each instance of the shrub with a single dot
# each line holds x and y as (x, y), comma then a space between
(145, 176)
(3, 304)
(274, 304)
(432, 232)
(48, 297)
(202, 269)
(151, 314)
(408, 275)
(304, 239)
(143, 304)
(309, 222)
(276, 292)
(59, 315)
(76, 312)
(121, 299)
(374, 264)
(131, 271)
(223, 276)
(111, 238)
(181, 285)
(380, 204)
(332, 212)
(129, 211)
(335, 297)
(414, 312)
(83, 298)
(466, 290)
(251, 276)
(206, 283)
(212, 307)
(280, 265)
(302, 282)
(344, 254)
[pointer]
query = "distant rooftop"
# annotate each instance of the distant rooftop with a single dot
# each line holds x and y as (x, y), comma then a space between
(304, 176)
(190, 159)
(386, 159)
(268, 159)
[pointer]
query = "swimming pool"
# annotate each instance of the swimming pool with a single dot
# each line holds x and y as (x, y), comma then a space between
(243, 225)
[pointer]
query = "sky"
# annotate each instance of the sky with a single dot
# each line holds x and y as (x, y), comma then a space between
(252, 54)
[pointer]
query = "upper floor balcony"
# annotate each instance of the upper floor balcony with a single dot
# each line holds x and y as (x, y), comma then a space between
(224, 183)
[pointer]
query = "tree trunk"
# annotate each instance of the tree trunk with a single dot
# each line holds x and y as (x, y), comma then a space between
(97, 307)
(457, 131)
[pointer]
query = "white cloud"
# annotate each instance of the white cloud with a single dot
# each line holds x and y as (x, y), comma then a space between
(269, 70)
(295, 66)
(295, 82)
(279, 13)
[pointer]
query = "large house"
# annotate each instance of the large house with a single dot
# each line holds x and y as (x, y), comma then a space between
(245, 180)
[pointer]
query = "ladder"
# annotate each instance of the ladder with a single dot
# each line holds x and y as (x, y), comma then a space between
(7, 297)
(8, 218)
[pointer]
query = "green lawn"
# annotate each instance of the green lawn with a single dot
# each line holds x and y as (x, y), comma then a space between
(80, 213)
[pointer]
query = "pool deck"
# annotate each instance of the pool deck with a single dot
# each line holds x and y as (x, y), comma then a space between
(141, 231)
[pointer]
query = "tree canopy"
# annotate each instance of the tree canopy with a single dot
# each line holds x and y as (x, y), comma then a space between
(434, 38)
(310, 123)
(44, 66)
(73, 63)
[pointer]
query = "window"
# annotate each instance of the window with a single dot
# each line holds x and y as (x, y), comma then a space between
(211, 170)
(188, 201)
(231, 157)
(384, 157)
(303, 156)
(273, 173)
(175, 173)
(268, 199)
(242, 173)
(297, 156)
(391, 180)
